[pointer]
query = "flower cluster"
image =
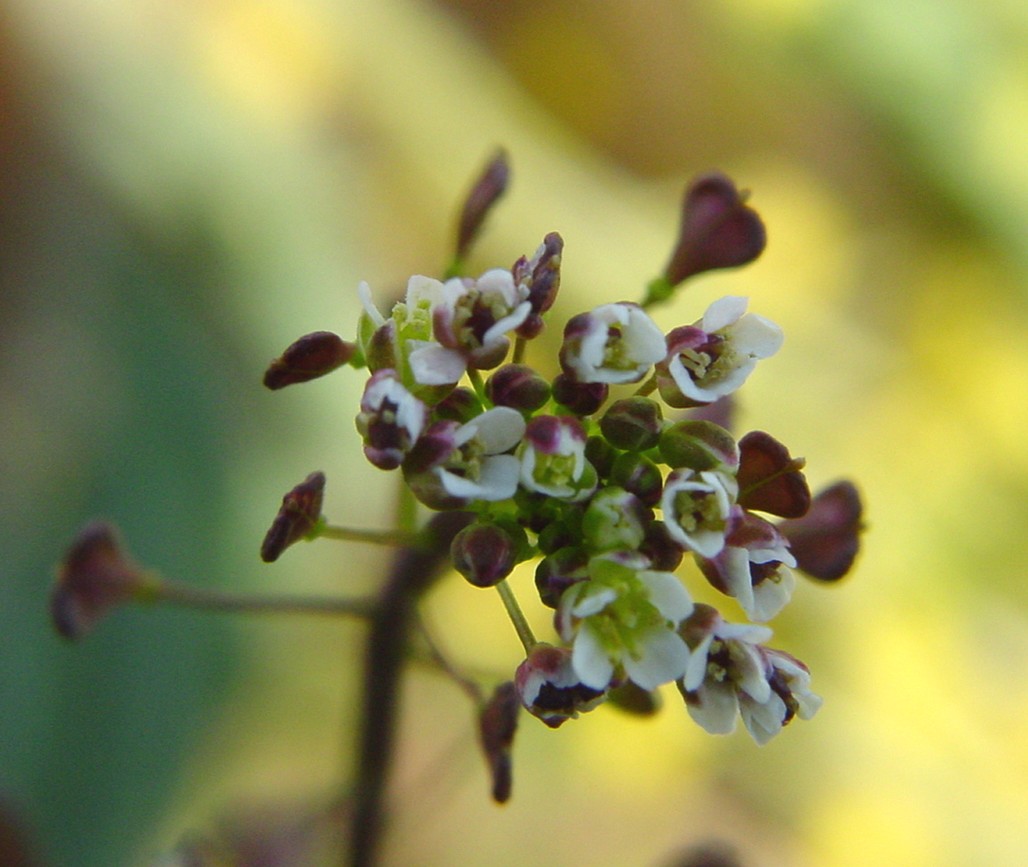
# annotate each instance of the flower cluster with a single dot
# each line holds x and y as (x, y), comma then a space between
(584, 471)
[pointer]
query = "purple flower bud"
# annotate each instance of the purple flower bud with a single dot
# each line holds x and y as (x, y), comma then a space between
(485, 192)
(460, 405)
(664, 553)
(94, 577)
(601, 454)
(769, 479)
(718, 230)
(391, 420)
(558, 571)
(541, 277)
(518, 386)
(497, 724)
(483, 553)
(633, 423)
(582, 398)
(826, 540)
(638, 475)
(311, 356)
(299, 513)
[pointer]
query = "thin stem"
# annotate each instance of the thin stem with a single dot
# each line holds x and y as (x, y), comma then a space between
(647, 387)
(208, 599)
(477, 383)
(516, 615)
(374, 537)
(519, 350)
(440, 661)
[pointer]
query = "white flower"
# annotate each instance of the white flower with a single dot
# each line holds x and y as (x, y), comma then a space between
(553, 459)
(615, 343)
(731, 673)
(754, 567)
(625, 618)
(390, 420)
(697, 508)
(456, 464)
(713, 358)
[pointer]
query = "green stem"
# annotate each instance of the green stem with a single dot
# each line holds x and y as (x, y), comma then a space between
(516, 615)
(519, 350)
(208, 599)
(477, 383)
(647, 387)
(374, 537)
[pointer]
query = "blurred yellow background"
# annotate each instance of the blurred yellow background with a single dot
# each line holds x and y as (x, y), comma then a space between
(188, 186)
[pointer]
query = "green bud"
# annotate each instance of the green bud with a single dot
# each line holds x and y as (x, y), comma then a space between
(633, 424)
(698, 445)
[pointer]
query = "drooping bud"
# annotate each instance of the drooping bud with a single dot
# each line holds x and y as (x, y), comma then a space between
(310, 357)
(770, 480)
(698, 445)
(94, 576)
(826, 540)
(497, 724)
(519, 387)
(582, 398)
(633, 423)
(718, 230)
(486, 553)
(484, 193)
(299, 514)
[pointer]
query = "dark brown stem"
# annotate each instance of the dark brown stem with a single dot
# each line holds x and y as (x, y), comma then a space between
(413, 571)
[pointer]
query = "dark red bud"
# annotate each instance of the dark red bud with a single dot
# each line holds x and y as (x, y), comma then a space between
(638, 475)
(769, 479)
(298, 515)
(582, 398)
(460, 405)
(719, 230)
(560, 570)
(310, 357)
(484, 554)
(633, 699)
(518, 386)
(826, 540)
(663, 552)
(497, 724)
(484, 193)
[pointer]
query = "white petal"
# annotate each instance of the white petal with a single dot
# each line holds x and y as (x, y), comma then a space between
(717, 708)
(507, 323)
(433, 364)
(594, 600)
(668, 594)
(497, 281)
(723, 313)
(763, 721)
(498, 429)
(592, 665)
(643, 339)
(756, 336)
(770, 596)
(364, 293)
(499, 477)
(696, 670)
(423, 289)
(663, 657)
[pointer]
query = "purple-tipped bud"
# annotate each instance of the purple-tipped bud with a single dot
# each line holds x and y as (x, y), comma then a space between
(94, 576)
(484, 554)
(601, 454)
(718, 230)
(298, 515)
(485, 192)
(391, 419)
(663, 552)
(518, 386)
(698, 445)
(310, 357)
(541, 276)
(460, 405)
(497, 724)
(639, 475)
(826, 540)
(550, 689)
(633, 423)
(769, 479)
(560, 570)
(582, 398)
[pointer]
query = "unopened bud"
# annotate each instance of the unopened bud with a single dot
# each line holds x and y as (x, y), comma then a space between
(549, 687)
(698, 445)
(558, 571)
(770, 480)
(298, 515)
(484, 553)
(633, 423)
(826, 540)
(601, 454)
(485, 192)
(541, 276)
(663, 552)
(633, 699)
(497, 723)
(94, 576)
(518, 386)
(639, 475)
(310, 357)
(582, 398)
(461, 405)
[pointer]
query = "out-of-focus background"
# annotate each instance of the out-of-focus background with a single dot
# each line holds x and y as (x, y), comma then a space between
(185, 187)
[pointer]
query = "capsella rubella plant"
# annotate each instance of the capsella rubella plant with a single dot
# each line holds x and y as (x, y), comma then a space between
(605, 469)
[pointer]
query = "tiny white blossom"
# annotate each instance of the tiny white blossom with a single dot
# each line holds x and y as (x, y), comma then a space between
(697, 508)
(615, 343)
(553, 460)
